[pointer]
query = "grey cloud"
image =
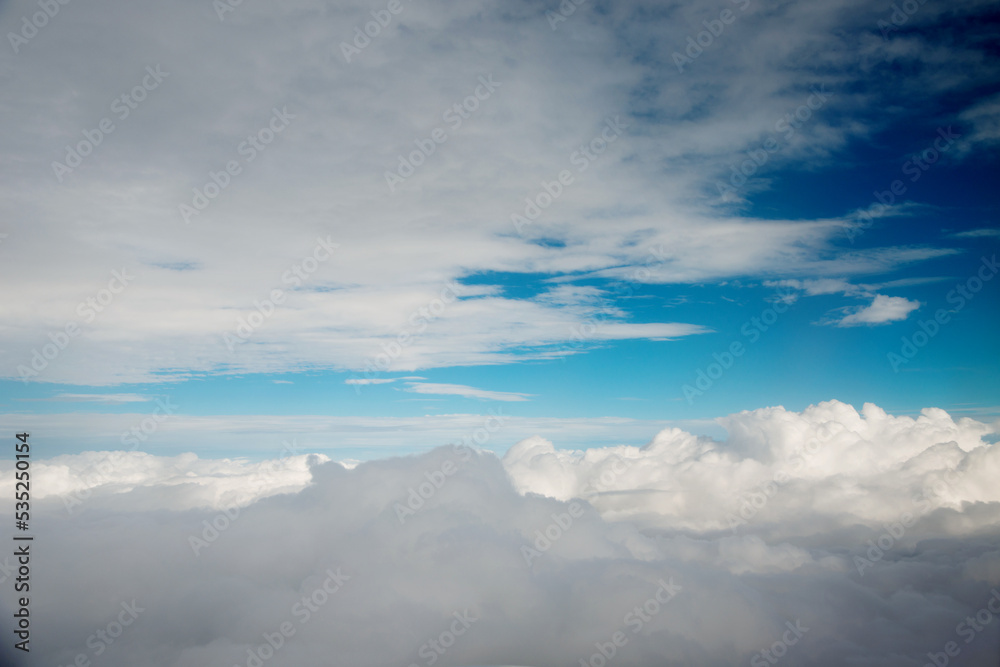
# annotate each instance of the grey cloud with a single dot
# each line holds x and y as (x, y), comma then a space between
(606, 539)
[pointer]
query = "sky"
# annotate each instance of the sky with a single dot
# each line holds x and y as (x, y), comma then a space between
(263, 256)
(600, 207)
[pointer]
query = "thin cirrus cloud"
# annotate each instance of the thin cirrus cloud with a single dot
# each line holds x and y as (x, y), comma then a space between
(367, 381)
(364, 381)
(97, 398)
(465, 391)
(977, 233)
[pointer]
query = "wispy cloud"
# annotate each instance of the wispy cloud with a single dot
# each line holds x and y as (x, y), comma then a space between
(364, 381)
(97, 398)
(656, 182)
(976, 233)
(465, 391)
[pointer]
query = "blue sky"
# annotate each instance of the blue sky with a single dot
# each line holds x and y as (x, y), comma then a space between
(792, 237)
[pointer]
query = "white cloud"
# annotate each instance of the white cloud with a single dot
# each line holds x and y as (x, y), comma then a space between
(828, 454)
(817, 287)
(816, 492)
(977, 233)
(323, 176)
(648, 330)
(882, 310)
(97, 479)
(466, 391)
(983, 118)
(99, 398)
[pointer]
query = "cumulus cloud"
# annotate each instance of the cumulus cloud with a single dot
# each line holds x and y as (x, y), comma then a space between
(875, 537)
(857, 467)
(95, 479)
(882, 310)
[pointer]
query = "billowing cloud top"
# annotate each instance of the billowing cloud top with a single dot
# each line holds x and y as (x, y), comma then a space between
(830, 536)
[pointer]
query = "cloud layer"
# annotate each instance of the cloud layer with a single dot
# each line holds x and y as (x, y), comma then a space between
(864, 537)
(299, 256)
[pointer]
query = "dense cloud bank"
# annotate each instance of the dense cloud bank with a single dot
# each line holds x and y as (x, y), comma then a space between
(825, 537)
